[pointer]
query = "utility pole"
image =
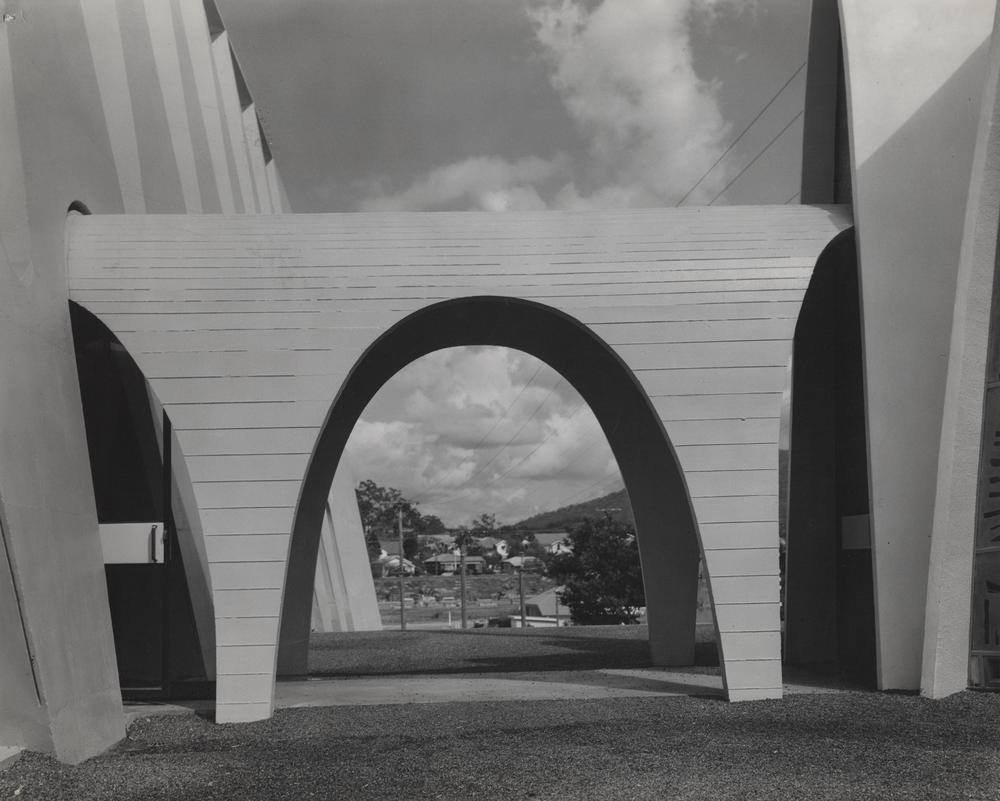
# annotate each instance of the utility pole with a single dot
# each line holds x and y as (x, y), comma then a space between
(520, 586)
(402, 586)
(520, 591)
(461, 577)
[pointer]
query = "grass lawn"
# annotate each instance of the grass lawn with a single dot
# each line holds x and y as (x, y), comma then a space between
(484, 650)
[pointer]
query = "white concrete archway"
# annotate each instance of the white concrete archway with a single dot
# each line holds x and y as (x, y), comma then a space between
(247, 327)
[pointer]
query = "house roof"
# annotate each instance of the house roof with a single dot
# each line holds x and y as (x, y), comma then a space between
(451, 558)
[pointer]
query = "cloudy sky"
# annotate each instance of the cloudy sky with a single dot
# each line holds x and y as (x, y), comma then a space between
(425, 105)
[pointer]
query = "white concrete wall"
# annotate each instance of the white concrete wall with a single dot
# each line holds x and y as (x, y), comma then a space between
(701, 304)
(949, 585)
(915, 72)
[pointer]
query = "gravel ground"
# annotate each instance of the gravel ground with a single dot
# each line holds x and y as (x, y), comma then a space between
(487, 650)
(830, 746)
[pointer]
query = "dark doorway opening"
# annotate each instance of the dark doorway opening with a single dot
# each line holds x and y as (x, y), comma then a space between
(829, 590)
(156, 640)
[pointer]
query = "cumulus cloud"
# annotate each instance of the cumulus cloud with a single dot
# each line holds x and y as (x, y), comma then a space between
(625, 73)
(484, 184)
(464, 431)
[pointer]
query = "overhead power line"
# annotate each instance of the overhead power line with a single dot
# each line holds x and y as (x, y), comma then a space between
(753, 161)
(733, 144)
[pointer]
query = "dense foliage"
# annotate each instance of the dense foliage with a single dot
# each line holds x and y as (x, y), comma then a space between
(602, 577)
(380, 507)
(616, 504)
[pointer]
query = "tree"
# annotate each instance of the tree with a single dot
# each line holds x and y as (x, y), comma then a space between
(485, 525)
(379, 507)
(602, 577)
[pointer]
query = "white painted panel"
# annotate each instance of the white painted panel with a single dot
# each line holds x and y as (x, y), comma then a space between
(247, 603)
(718, 536)
(246, 468)
(758, 309)
(132, 543)
(712, 381)
(245, 659)
(740, 509)
(713, 407)
(335, 344)
(728, 457)
(248, 494)
(240, 441)
(732, 482)
(246, 522)
(623, 333)
(722, 432)
(743, 589)
(247, 630)
(248, 575)
(721, 355)
(235, 712)
(748, 617)
(752, 645)
(253, 389)
(207, 417)
(246, 547)
(237, 689)
(747, 562)
(748, 678)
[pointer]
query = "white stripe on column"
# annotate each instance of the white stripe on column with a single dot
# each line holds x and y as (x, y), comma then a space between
(273, 187)
(222, 60)
(251, 130)
(199, 46)
(168, 72)
(104, 36)
(15, 238)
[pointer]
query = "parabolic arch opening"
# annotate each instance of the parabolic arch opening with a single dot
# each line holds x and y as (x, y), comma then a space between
(666, 528)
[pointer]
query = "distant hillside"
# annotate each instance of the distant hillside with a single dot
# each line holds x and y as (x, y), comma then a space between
(569, 516)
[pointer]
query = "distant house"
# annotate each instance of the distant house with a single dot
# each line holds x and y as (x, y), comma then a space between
(390, 566)
(552, 541)
(528, 563)
(450, 563)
